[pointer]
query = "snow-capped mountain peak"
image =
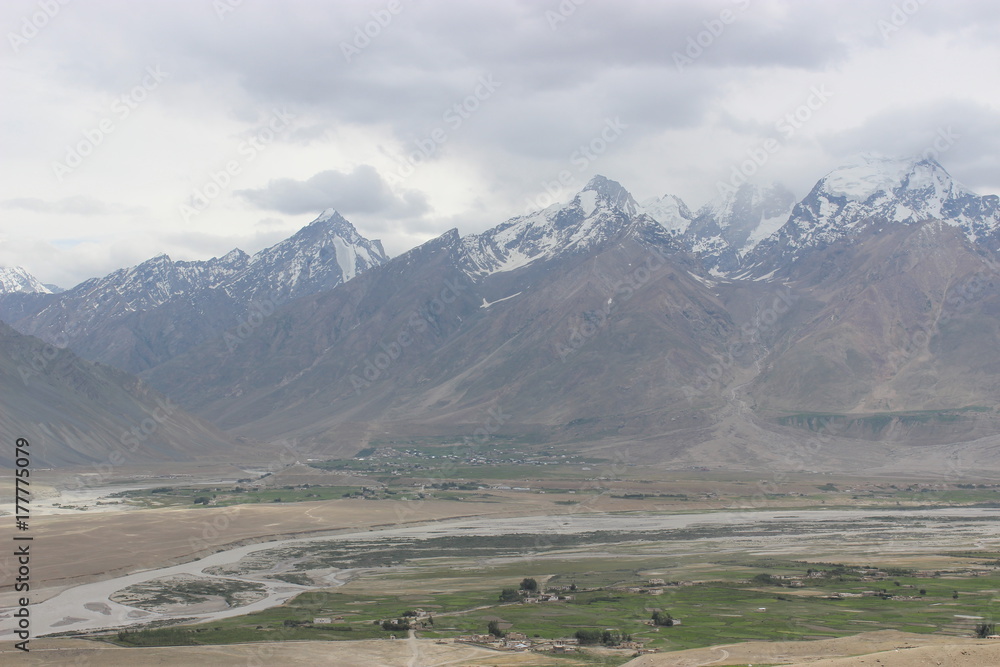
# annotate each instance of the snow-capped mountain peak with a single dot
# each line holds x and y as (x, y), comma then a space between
(305, 255)
(670, 211)
(216, 292)
(16, 279)
(603, 191)
(331, 221)
(326, 214)
(602, 208)
(874, 188)
(234, 256)
(866, 174)
(732, 224)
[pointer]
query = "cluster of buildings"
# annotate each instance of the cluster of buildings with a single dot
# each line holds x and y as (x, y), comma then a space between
(520, 642)
(652, 587)
(544, 597)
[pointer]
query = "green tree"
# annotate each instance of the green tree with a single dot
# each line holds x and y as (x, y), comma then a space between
(984, 630)
(529, 585)
(395, 625)
(493, 627)
(509, 595)
(589, 636)
(662, 619)
(612, 637)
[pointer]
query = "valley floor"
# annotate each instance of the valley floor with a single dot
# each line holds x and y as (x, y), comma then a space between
(735, 571)
(875, 649)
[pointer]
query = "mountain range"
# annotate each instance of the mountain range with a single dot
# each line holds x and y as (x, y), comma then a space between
(863, 314)
(139, 317)
(81, 413)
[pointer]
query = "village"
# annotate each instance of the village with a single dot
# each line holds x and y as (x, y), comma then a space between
(499, 638)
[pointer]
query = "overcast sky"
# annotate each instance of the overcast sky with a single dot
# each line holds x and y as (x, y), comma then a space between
(195, 126)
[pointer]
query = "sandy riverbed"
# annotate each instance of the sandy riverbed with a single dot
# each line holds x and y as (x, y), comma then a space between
(89, 606)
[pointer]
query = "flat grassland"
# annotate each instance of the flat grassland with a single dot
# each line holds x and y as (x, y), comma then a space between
(905, 585)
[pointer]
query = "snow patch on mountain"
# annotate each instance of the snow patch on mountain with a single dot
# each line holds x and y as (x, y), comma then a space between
(865, 174)
(670, 211)
(587, 201)
(322, 255)
(15, 279)
(487, 304)
(733, 223)
(346, 258)
(871, 188)
(765, 228)
(598, 211)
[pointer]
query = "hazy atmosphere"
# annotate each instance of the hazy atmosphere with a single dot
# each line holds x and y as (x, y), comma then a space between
(559, 333)
(197, 126)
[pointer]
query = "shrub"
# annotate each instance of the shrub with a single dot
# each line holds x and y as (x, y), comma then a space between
(509, 595)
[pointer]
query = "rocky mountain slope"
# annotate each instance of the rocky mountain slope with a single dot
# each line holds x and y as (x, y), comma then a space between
(544, 306)
(139, 317)
(890, 191)
(76, 412)
(865, 321)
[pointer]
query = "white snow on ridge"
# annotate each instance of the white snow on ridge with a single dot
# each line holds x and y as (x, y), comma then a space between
(587, 201)
(346, 258)
(670, 211)
(766, 228)
(16, 279)
(487, 304)
(704, 281)
(594, 213)
(515, 260)
(866, 174)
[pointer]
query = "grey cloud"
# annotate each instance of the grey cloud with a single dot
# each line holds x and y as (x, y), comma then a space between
(605, 60)
(431, 53)
(76, 205)
(963, 136)
(360, 191)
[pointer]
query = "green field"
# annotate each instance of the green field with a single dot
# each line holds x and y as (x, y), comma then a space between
(219, 496)
(731, 602)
